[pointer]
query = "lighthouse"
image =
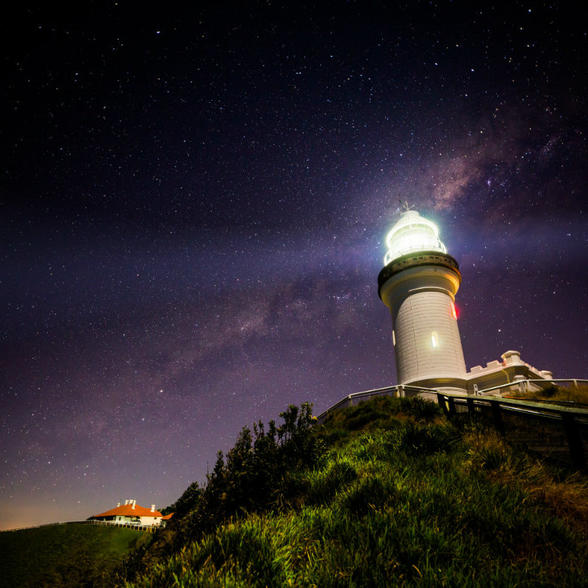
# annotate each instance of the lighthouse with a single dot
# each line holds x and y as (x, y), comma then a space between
(418, 284)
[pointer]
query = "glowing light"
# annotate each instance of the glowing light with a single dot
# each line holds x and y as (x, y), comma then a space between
(412, 233)
(434, 339)
(393, 338)
(453, 310)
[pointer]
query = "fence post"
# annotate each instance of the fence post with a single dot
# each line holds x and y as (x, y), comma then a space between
(442, 404)
(574, 440)
(497, 415)
(451, 404)
(471, 409)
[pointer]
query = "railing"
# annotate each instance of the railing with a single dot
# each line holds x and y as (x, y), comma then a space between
(398, 391)
(149, 528)
(572, 420)
(523, 385)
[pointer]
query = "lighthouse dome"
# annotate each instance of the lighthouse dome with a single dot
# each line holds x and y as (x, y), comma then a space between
(410, 234)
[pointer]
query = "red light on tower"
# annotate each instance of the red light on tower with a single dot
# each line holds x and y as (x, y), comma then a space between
(454, 311)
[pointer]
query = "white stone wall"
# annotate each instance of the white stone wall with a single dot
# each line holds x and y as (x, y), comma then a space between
(428, 344)
(150, 521)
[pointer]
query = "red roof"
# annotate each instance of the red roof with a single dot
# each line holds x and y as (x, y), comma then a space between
(167, 517)
(127, 510)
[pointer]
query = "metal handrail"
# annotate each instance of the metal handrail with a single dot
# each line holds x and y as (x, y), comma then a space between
(349, 398)
(514, 403)
(573, 420)
(399, 388)
(536, 380)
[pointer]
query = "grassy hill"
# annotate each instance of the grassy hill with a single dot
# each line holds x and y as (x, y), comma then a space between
(385, 493)
(576, 395)
(64, 555)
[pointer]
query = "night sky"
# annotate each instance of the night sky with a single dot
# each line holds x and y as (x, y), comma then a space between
(194, 206)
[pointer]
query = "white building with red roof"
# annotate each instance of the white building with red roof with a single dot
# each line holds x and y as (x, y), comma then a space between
(131, 513)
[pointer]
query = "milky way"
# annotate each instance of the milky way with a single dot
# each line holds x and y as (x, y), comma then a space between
(194, 208)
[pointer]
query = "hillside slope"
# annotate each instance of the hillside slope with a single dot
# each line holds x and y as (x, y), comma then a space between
(64, 555)
(396, 496)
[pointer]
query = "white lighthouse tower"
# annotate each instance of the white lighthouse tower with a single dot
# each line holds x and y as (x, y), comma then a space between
(418, 284)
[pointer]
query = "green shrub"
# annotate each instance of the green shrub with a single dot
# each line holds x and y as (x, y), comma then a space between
(548, 392)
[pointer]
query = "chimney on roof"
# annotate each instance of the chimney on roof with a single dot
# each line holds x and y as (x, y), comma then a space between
(126, 501)
(134, 502)
(118, 504)
(152, 508)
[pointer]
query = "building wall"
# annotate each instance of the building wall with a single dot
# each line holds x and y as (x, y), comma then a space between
(425, 332)
(149, 521)
(427, 337)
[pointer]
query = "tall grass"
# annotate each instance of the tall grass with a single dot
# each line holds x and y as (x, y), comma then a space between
(571, 393)
(400, 498)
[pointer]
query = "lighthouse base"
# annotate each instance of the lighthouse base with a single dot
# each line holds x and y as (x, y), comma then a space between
(439, 384)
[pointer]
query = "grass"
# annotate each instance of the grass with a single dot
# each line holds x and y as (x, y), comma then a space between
(401, 497)
(576, 394)
(64, 554)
